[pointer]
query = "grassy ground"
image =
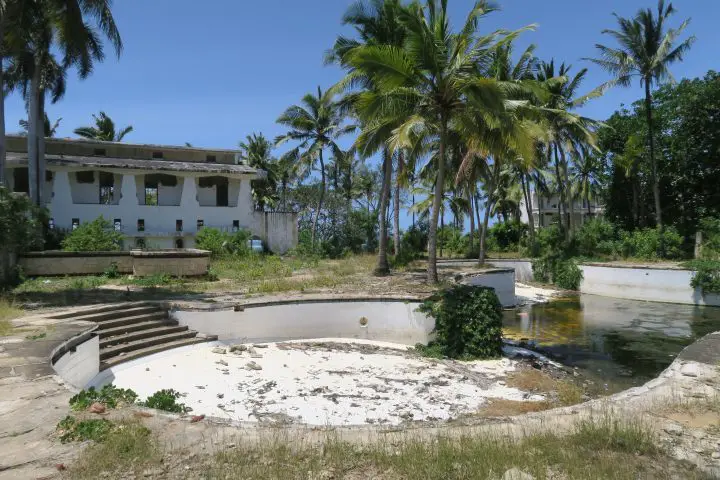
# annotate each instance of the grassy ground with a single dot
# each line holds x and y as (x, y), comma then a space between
(599, 449)
(250, 275)
(8, 311)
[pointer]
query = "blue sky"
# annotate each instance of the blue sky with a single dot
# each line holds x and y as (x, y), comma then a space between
(210, 73)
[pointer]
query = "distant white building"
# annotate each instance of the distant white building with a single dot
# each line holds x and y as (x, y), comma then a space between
(157, 196)
(545, 210)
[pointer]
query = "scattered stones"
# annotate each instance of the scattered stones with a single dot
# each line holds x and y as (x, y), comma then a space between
(60, 467)
(517, 474)
(197, 418)
(253, 366)
(218, 350)
(97, 407)
(222, 362)
(673, 429)
(260, 345)
(221, 395)
(239, 348)
(200, 387)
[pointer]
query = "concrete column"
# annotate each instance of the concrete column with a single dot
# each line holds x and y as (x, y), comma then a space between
(189, 194)
(61, 206)
(128, 192)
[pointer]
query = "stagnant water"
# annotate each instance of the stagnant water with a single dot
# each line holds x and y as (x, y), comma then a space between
(620, 343)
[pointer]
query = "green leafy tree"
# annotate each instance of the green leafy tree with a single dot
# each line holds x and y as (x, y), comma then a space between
(103, 130)
(50, 128)
(256, 151)
(315, 125)
(647, 49)
(96, 236)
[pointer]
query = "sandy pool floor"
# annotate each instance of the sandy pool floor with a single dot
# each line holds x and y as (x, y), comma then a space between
(320, 382)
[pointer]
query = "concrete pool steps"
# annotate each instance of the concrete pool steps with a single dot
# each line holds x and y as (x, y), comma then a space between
(135, 354)
(116, 350)
(129, 337)
(119, 313)
(107, 332)
(74, 313)
(131, 319)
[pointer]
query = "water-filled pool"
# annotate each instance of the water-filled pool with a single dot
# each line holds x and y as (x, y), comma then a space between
(621, 342)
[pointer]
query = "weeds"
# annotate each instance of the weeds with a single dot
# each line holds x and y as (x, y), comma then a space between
(71, 429)
(8, 311)
(109, 395)
(166, 400)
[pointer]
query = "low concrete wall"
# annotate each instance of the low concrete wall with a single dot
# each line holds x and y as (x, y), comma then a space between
(73, 263)
(384, 320)
(78, 360)
(643, 283)
(523, 268)
(501, 280)
(180, 263)
(279, 230)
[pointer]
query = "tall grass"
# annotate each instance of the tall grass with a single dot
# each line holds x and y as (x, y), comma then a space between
(8, 311)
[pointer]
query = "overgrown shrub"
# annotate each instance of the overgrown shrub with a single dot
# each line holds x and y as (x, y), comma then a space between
(506, 236)
(567, 275)
(70, 429)
(645, 244)
(109, 395)
(706, 276)
(166, 400)
(710, 228)
(596, 237)
(468, 323)
(96, 236)
(223, 243)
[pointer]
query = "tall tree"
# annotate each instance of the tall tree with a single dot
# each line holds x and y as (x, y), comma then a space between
(50, 128)
(256, 151)
(647, 49)
(103, 130)
(376, 22)
(315, 124)
(586, 176)
(69, 27)
(430, 87)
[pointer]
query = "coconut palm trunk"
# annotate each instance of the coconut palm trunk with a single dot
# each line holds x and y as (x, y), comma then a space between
(396, 203)
(436, 206)
(33, 125)
(653, 160)
(528, 204)
(483, 232)
(2, 109)
(40, 131)
(320, 200)
(472, 219)
(570, 201)
(383, 268)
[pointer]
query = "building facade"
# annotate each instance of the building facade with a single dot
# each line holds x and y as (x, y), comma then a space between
(545, 210)
(157, 196)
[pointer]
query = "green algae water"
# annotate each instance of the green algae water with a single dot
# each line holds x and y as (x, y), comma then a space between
(620, 343)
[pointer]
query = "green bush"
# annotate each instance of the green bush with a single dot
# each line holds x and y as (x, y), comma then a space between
(506, 236)
(96, 236)
(567, 275)
(166, 400)
(223, 243)
(645, 244)
(468, 323)
(596, 237)
(109, 395)
(710, 228)
(706, 276)
(70, 429)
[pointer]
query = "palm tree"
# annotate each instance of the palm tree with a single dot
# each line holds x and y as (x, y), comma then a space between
(104, 130)
(430, 87)
(256, 151)
(70, 28)
(49, 128)
(566, 131)
(377, 22)
(586, 173)
(646, 51)
(315, 124)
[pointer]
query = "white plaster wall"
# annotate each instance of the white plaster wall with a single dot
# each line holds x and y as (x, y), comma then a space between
(207, 197)
(87, 193)
(170, 196)
(278, 230)
(160, 220)
(523, 268)
(79, 367)
(397, 322)
(502, 282)
(653, 285)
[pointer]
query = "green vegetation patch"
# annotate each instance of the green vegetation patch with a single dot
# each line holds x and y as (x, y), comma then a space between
(166, 400)
(109, 395)
(468, 323)
(70, 429)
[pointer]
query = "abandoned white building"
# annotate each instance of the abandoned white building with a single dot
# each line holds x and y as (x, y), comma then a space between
(157, 196)
(545, 210)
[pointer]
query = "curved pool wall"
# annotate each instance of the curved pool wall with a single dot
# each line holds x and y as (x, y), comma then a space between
(389, 320)
(501, 280)
(644, 283)
(77, 361)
